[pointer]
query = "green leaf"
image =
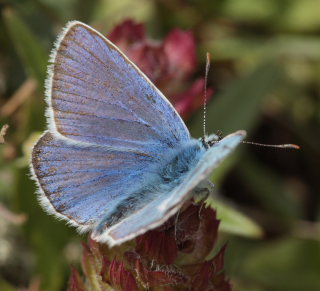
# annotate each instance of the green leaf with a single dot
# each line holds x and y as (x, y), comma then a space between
(268, 188)
(283, 264)
(238, 107)
(111, 12)
(250, 11)
(4, 286)
(31, 53)
(233, 221)
(253, 47)
(301, 16)
(46, 236)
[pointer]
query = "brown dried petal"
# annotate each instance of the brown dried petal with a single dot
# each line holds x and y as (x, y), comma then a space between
(161, 276)
(187, 224)
(115, 274)
(206, 234)
(197, 231)
(157, 245)
(208, 275)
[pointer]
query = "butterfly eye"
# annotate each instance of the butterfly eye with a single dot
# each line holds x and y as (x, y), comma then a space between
(212, 142)
(214, 138)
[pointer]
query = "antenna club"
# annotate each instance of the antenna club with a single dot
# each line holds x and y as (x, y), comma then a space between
(281, 146)
(292, 146)
(208, 57)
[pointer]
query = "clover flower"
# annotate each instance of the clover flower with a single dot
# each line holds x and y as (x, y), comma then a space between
(173, 256)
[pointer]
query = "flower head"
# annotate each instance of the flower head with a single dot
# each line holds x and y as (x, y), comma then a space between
(173, 256)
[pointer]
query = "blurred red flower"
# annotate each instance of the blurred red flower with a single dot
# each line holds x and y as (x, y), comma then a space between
(169, 64)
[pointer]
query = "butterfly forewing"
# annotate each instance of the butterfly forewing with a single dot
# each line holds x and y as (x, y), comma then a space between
(96, 95)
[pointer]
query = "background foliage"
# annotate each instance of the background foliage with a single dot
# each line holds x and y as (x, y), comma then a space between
(266, 77)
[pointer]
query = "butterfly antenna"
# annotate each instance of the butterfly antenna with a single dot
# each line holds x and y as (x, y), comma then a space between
(208, 58)
(281, 146)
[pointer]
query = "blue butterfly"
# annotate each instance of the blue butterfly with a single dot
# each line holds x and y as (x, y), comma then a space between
(117, 159)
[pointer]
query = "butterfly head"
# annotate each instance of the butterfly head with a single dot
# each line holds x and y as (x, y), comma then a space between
(209, 141)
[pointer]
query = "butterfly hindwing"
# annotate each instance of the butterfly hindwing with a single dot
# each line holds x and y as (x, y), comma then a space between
(81, 183)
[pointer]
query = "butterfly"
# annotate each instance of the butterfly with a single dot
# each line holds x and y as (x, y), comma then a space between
(116, 160)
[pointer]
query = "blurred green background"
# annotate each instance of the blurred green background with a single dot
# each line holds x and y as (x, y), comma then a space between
(266, 77)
